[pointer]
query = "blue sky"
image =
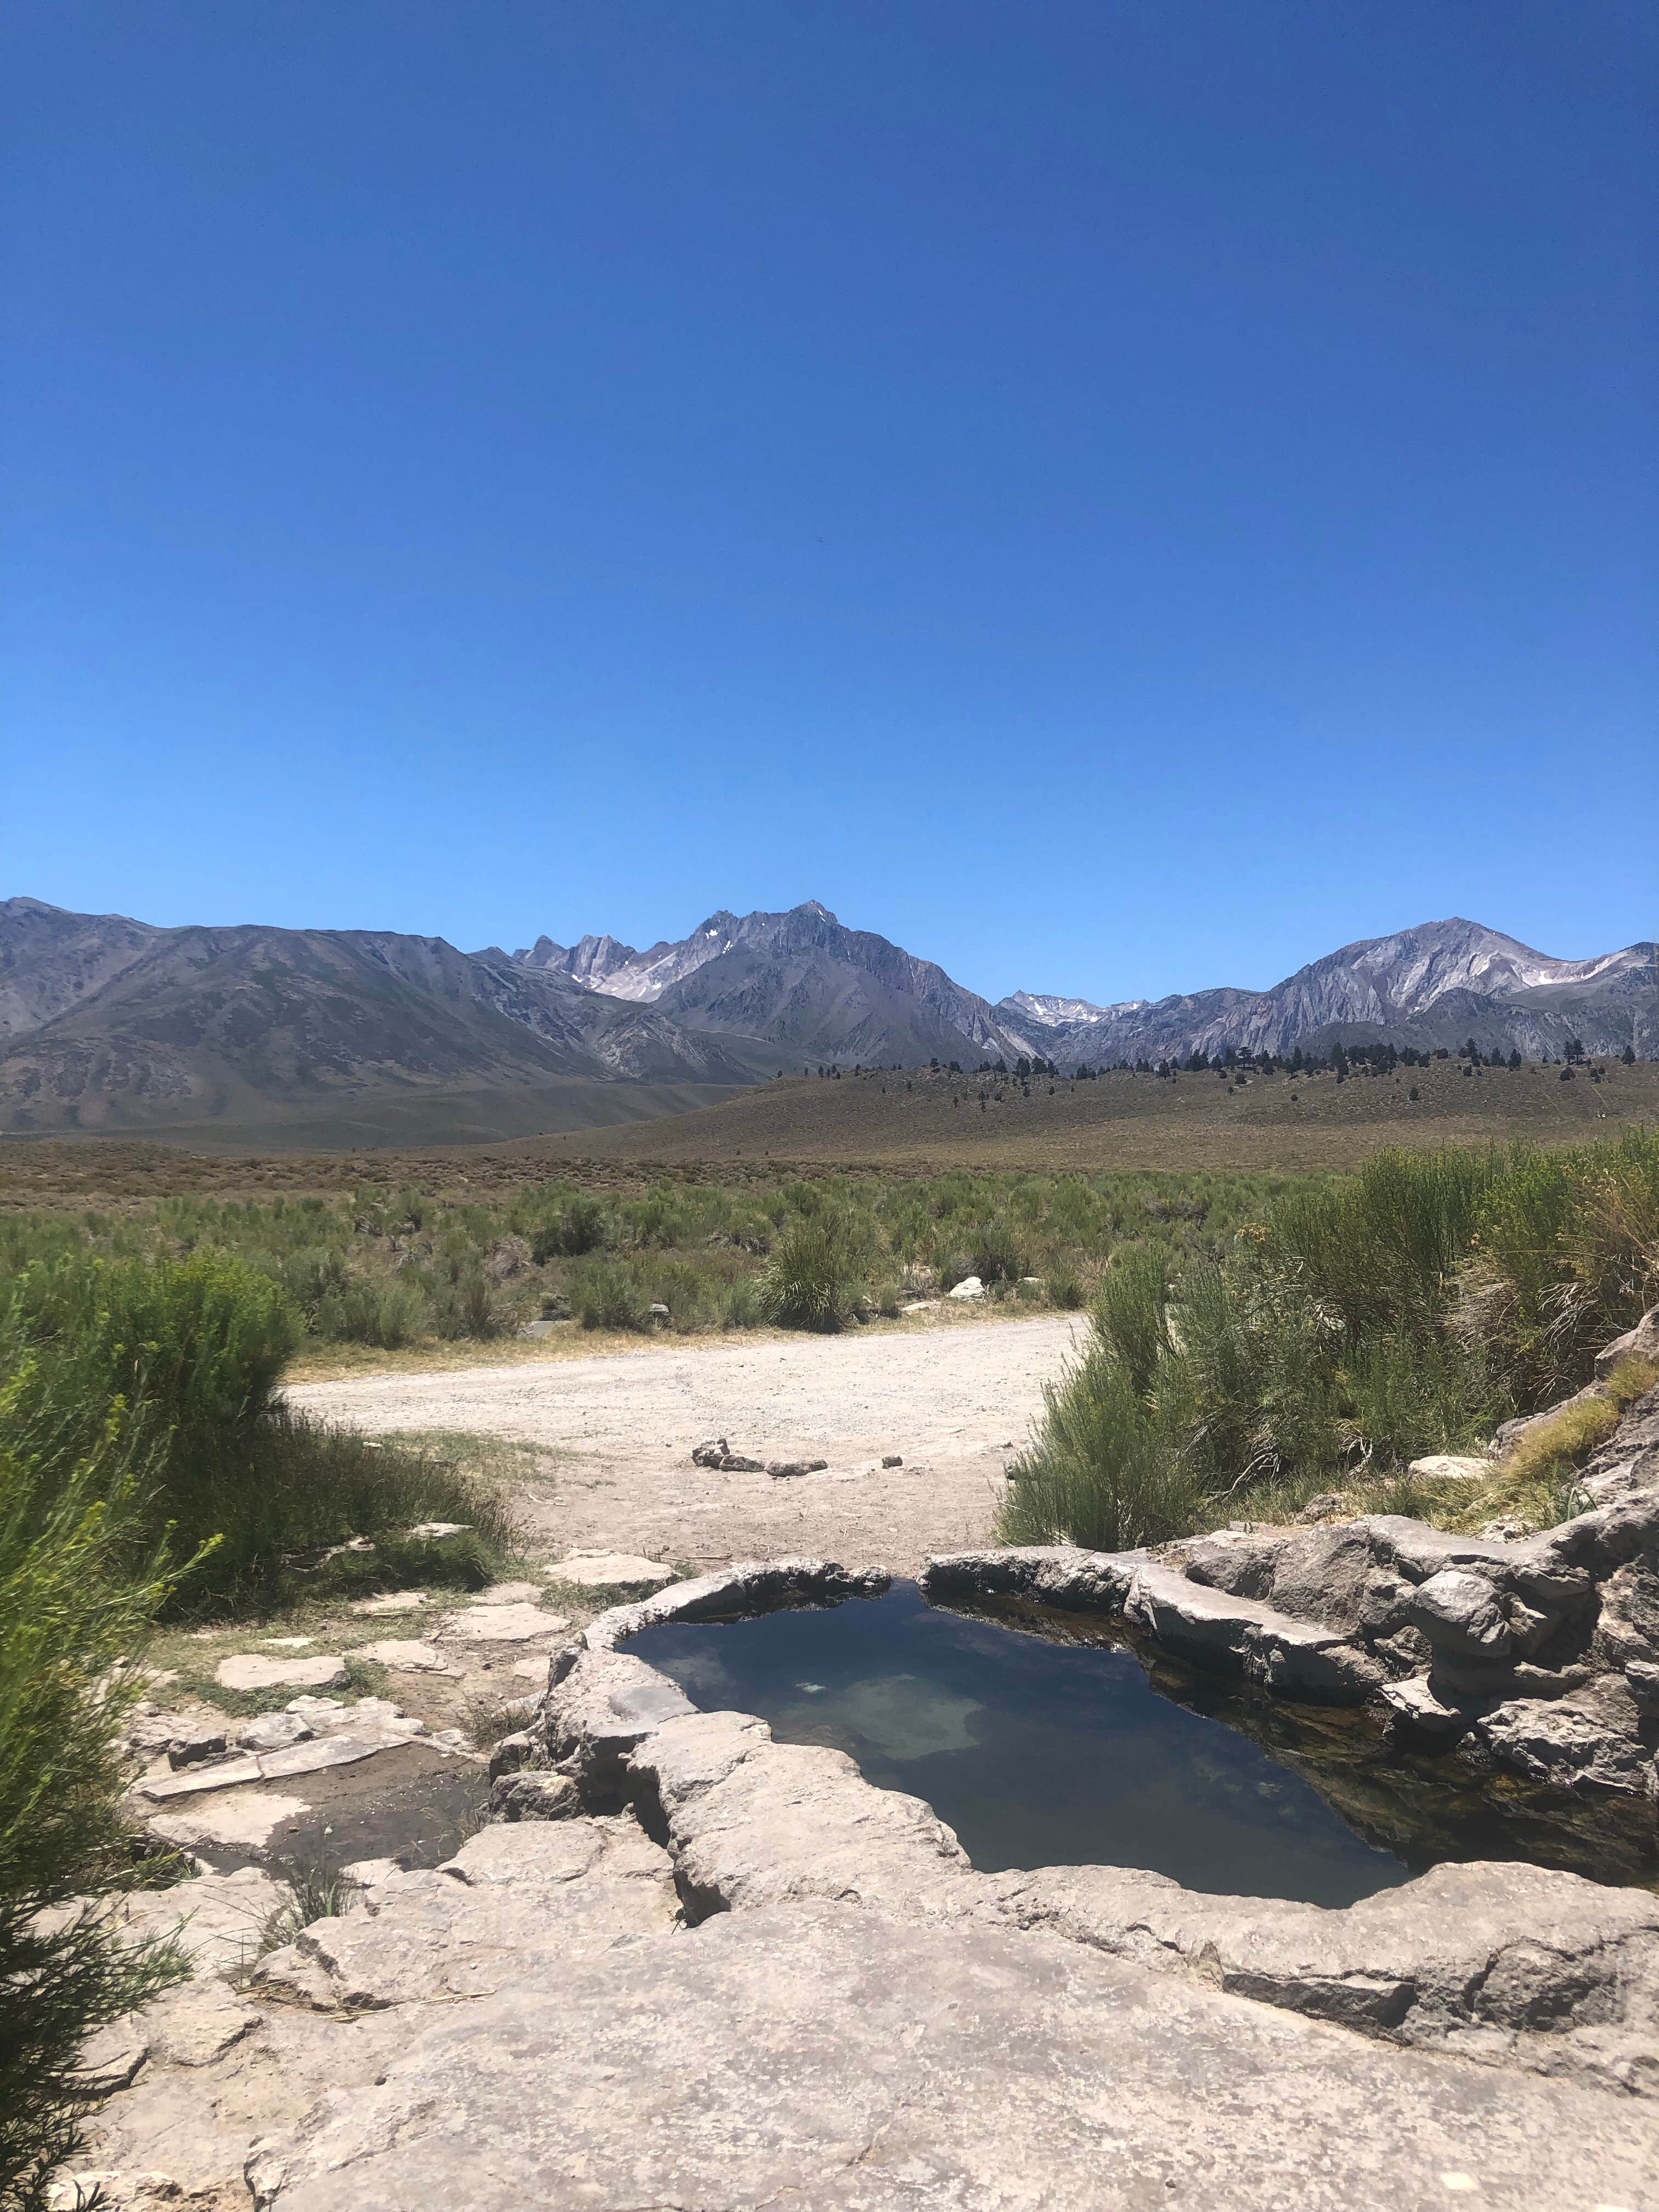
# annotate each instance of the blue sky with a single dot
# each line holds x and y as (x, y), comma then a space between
(1119, 498)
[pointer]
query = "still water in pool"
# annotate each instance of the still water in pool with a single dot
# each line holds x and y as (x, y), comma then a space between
(1037, 1754)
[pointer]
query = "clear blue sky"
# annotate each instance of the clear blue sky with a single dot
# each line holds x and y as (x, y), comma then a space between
(1118, 497)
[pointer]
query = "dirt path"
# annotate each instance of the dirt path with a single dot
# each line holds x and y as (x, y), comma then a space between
(619, 1433)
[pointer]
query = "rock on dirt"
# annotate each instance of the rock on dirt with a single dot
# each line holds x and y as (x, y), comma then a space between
(609, 1570)
(251, 1670)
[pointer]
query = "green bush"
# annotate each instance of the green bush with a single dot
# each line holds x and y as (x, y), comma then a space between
(384, 1314)
(610, 1294)
(816, 1276)
(1364, 1324)
(994, 1254)
(1101, 1473)
(579, 1226)
(70, 1606)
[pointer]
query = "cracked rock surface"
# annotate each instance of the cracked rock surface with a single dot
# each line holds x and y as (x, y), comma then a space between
(720, 1972)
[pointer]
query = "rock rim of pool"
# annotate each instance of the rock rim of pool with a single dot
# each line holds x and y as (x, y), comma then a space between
(1502, 1961)
(1536, 1658)
(697, 1899)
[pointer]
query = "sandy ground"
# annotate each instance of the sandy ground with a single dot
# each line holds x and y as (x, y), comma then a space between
(616, 1434)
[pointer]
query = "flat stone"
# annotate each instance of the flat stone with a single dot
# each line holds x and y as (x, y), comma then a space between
(609, 1570)
(503, 1624)
(197, 2025)
(221, 1774)
(389, 1601)
(274, 1732)
(367, 1873)
(312, 1758)
(469, 1931)
(240, 1819)
(216, 1920)
(370, 1717)
(1452, 1467)
(251, 1670)
(403, 1658)
(1293, 1656)
(287, 1642)
(530, 1670)
(834, 2056)
(508, 1594)
(783, 1469)
(435, 1532)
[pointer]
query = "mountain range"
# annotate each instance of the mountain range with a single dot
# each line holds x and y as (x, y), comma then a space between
(108, 1023)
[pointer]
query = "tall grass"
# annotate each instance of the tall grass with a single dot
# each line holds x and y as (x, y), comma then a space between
(1362, 1325)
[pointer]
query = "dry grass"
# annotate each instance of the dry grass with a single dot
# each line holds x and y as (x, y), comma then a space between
(1298, 1124)
(1536, 1481)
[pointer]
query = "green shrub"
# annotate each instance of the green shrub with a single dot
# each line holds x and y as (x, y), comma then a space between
(384, 1314)
(579, 1226)
(816, 1276)
(994, 1254)
(610, 1294)
(1101, 1474)
(70, 1606)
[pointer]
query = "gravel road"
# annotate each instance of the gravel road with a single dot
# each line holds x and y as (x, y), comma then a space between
(953, 1402)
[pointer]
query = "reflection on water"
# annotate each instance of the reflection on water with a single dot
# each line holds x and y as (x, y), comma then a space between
(1037, 1754)
(1056, 1739)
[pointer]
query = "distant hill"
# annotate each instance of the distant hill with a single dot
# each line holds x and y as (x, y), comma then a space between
(109, 1023)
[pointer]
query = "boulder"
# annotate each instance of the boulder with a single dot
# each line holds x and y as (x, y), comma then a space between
(1505, 1963)
(970, 1287)
(1459, 1611)
(1641, 1342)
(1452, 1467)
(1587, 1742)
(534, 1795)
(196, 1741)
(753, 1822)
(600, 1709)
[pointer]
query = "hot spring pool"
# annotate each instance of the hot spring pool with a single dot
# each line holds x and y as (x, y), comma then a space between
(1036, 1753)
(1047, 1744)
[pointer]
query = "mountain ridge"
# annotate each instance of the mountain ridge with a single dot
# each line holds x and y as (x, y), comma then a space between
(105, 1021)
